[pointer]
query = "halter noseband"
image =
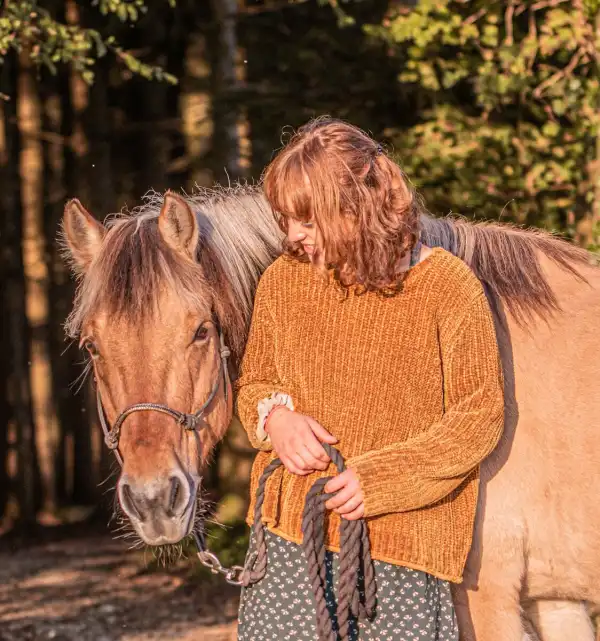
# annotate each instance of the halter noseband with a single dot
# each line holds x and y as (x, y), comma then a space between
(189, 422)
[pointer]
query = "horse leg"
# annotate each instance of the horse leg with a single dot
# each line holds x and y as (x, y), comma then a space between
(492, 610)
(480, 619)
(559, 620)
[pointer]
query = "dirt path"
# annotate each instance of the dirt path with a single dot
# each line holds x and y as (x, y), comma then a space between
(93, 589)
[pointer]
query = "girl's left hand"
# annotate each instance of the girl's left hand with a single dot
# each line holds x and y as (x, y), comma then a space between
(349, 502)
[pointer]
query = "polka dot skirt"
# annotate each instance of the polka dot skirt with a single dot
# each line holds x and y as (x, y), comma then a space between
(410, 604)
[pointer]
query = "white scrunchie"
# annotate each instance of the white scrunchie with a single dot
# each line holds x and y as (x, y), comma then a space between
(264, 409)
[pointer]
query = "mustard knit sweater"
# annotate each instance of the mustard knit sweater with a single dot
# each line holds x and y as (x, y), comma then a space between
(411, 385)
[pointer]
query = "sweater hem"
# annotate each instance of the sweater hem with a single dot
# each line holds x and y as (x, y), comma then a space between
(457, 579)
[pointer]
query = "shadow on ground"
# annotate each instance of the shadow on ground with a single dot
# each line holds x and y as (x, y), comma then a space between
(92, 588)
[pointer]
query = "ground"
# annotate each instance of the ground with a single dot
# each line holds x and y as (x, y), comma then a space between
(92, 588)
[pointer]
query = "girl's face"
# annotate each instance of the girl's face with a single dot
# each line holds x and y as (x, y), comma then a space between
(307, 235)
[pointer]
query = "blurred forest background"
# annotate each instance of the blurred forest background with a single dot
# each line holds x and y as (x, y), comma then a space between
(491, 107)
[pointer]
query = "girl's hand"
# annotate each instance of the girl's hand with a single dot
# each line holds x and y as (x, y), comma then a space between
(296, 439)
(349, 502)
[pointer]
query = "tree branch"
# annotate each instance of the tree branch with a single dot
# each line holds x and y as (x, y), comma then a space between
(547, 4)
(533, 35)
(474, 17)
(508, 24)
(562, 73)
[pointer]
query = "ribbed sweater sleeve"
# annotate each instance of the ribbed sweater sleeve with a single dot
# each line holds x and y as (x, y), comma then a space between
(427, 467)
(258, 377)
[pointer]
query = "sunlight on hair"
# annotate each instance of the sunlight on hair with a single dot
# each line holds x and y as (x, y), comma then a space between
(367, 212)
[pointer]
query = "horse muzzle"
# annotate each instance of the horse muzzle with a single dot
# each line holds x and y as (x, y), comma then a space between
(162, 510)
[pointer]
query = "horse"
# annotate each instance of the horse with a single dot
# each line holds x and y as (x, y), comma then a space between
(163, 288)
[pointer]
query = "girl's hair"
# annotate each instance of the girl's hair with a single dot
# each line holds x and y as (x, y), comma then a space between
(334, 174)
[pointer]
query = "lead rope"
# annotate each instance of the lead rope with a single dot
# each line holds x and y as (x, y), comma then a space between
(355, 555)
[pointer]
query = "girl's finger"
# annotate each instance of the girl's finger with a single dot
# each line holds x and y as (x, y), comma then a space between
(356, 514)
(309, 462)
(312, 461)
(299, 462)
(340, 498)
(350, 505)
(315, 448)
(337, 482)
(291, 465)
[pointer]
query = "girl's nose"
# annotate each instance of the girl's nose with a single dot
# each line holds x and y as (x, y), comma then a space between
(296, 233)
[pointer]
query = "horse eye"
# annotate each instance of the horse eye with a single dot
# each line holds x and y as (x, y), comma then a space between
(201, 333)
(91, 347)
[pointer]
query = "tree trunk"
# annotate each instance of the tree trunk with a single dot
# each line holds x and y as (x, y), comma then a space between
(101, 196)
(225, 106)
(87, 175)
(58, 186)
(594, 226)
(55, 486)
(154, 140)
(14, 302)
(588, 227)
(30, 112)
(5, 406)
(100, 184)
(5, 411)
(178, 37)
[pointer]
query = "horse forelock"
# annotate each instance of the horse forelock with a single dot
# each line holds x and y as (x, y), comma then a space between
(239, 238)
(132, 271)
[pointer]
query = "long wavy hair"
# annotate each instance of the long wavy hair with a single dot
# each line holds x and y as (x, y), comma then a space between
(367, 213)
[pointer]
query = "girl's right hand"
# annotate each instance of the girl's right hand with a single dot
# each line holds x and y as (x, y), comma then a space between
(296, 439)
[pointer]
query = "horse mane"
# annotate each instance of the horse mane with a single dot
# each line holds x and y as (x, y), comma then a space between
(239, 239)
(507, 260)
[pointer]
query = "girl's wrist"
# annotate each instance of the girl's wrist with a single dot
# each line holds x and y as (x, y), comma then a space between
(276, 409)
(264, 408)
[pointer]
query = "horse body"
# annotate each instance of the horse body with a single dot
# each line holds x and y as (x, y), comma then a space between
(558, 395)
(535, 545)
(536, 535)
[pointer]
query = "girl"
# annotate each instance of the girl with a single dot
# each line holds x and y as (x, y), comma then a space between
(364, 338)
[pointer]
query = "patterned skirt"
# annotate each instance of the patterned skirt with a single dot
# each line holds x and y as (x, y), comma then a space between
(410, 604)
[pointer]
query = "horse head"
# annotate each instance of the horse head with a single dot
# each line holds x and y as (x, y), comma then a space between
(158, 298)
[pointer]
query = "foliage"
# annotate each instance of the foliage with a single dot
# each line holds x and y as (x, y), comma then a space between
(26, 26)
(594, 246)
(344, 19)
(508, 94)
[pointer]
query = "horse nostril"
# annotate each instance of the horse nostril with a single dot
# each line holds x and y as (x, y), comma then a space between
(177, 500)
(155, 500)
(128, 503)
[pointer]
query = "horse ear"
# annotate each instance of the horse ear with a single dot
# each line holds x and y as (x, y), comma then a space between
(82, 235)
(178, 226)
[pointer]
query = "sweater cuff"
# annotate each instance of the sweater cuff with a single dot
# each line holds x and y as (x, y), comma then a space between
(265, 407)
(377, 485)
